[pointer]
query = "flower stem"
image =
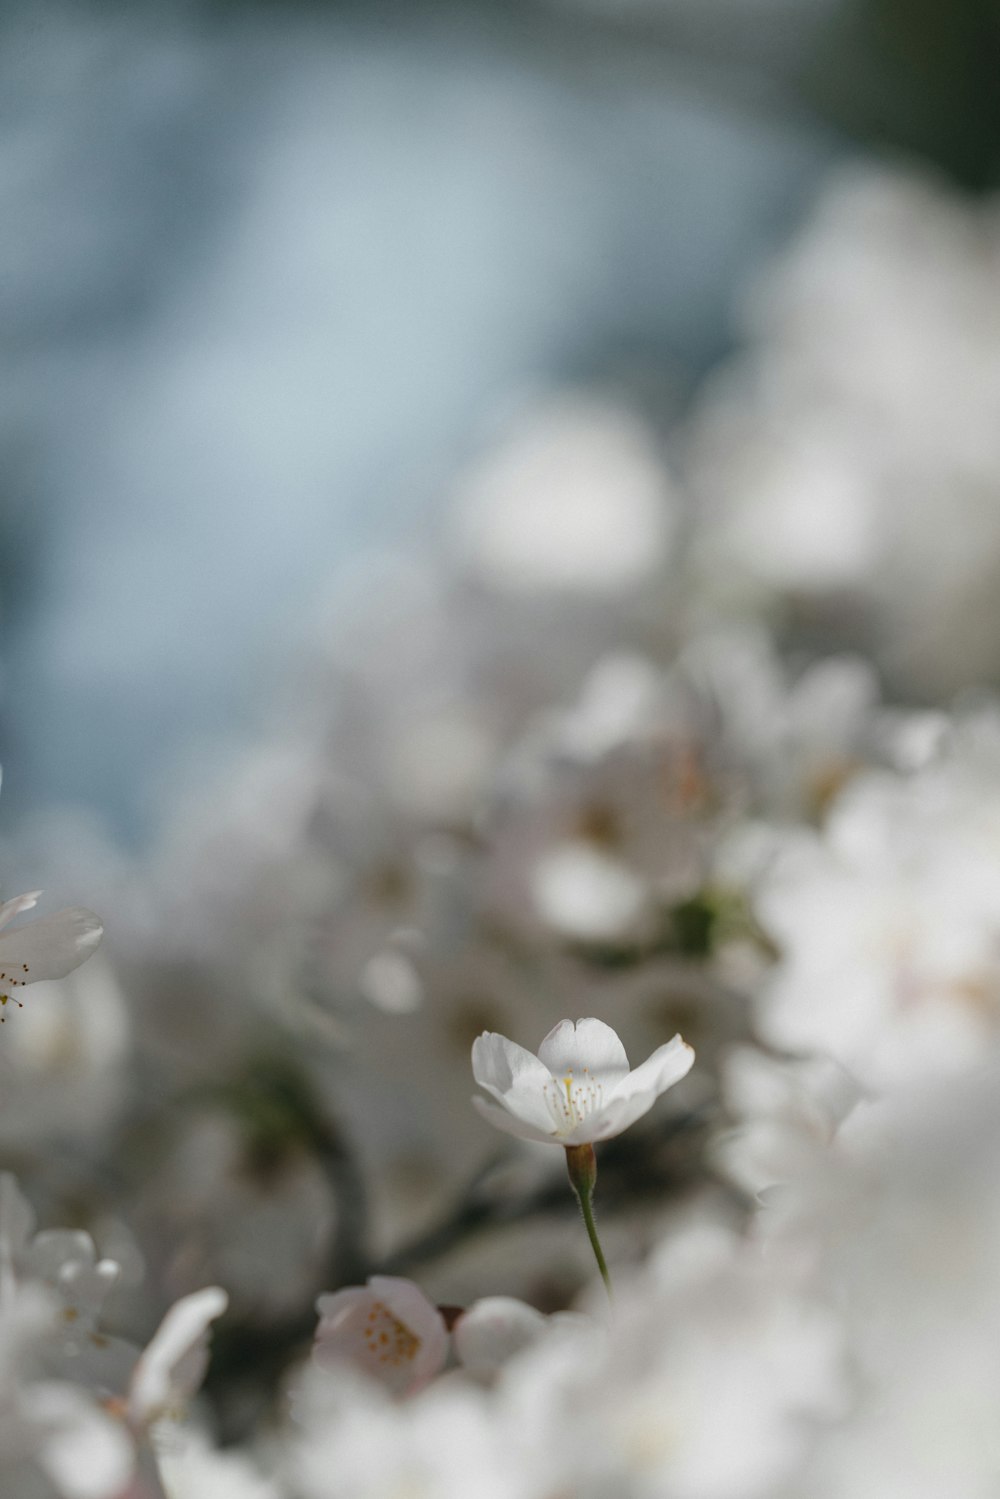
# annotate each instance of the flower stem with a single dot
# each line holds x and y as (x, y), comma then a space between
(582, 1166)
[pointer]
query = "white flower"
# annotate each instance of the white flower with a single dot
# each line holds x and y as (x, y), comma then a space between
(576, 500)
(586, 895)
(46, 949)
(387, 1328)
(579, 1087)
(789, 1114)
(888, 921)
(493, 1330)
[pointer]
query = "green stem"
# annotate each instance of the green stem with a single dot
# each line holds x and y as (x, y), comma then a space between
(586, 1208)
(582, 1166)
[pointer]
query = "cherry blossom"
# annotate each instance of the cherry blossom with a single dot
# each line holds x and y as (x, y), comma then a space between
(387, 1328)
(579, 1088)
(46, 949)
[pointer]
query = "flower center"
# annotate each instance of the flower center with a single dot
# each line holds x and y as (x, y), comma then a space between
(388, 1340)
(571, 1099)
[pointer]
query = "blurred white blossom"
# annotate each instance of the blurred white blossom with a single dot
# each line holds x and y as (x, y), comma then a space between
(576, 498)
(887, 919)
(848, 463)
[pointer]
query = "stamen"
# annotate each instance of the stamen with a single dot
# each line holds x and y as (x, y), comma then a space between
(388, 1340)
(571, 1101)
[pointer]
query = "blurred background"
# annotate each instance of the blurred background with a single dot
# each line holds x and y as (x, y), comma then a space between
(272, 276)
(475, 480)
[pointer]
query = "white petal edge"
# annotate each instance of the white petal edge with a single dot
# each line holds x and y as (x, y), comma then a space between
(514, 1077)
(173, 1362)
(84, 1451)
(574, 1044)
(50, 948)
(499, 1064)
(19, 903)
(511, 1125)
(660, 1071)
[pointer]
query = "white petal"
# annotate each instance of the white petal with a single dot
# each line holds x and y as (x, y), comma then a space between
(667, 1065)
(493, 1330)
(497, 1064)
(174, 1361)
(513, 1125)
(572, 1046)
(86, 1453)
(602, 1124)
(613, 1119)
(48, 949)
(634, 1095)
(586, 895)
(334, 1305)
(12, 908)
(515, 1077)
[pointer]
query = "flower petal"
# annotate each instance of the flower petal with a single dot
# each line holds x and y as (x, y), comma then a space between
(515, 1077)
(573, 1045)
(332, 1305)
(388, 1329)
(513, 1124)
(408, 1304)
(50, 948)
(493, 1330)
(12, 908)
(173, 1363)
(666, 1066)
(84, 1451)
(497, 1064)
(637, 1093)
(615, 1117)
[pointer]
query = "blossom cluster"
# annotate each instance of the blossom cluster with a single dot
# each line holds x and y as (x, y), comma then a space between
(678, 741)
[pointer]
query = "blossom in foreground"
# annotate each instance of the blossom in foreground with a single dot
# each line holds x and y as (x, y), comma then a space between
(387, 1328)
(354, 1440)
(578, 1089)
(712, 1381)
(46, 949)
(172, 1365)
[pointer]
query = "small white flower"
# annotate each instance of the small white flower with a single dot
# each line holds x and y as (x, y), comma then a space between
(588, 896)
(46, 949)
(493, 1330)
(578, 1089)
(387, 1328)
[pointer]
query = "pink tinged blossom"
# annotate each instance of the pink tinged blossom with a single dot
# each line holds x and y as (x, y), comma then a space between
(387, 1328)
(578, 1089)
(46, 949)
